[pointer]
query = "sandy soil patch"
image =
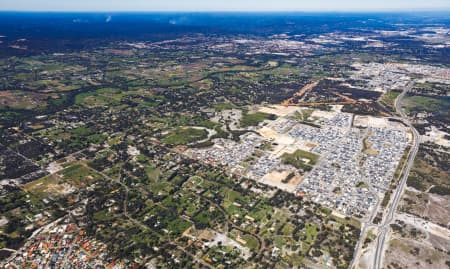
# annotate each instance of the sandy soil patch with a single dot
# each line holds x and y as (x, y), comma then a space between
(212, 238)
(365, 261)
(409, 253)
(275, 179)
(429, 206)
(437, 137)
(54, 167)
(424, 225)
(321, 114)
(337, 108)
(232, 116)
(267, 133)
(439, 242)
(284, 143)
(279, 110)
(62, 189)
(369, 121)
(417, 243)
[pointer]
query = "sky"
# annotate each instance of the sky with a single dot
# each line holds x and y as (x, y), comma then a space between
(224, 5)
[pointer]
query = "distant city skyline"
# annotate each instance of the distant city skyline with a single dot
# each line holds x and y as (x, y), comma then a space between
(229, 5)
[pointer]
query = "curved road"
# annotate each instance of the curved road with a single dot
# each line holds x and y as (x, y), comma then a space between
(377, 263)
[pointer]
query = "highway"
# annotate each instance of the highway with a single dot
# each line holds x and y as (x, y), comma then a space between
(384, 228)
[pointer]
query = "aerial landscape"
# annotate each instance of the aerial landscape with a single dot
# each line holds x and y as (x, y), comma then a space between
(224, 139)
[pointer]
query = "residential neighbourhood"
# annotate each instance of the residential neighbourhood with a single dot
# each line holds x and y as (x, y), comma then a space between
(354, 169)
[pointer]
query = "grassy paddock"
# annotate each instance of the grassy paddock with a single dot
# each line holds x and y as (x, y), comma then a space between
(296, 159)
(182, 136)
(254, 119)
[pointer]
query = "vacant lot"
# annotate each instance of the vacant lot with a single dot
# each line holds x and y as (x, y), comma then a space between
(429, 206)
(64, 182)
(411, 247)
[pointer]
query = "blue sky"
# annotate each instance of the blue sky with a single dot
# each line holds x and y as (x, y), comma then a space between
(224, 5)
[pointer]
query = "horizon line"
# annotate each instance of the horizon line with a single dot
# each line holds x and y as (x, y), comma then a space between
(394, 10)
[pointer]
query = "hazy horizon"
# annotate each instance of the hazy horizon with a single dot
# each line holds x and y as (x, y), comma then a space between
(228, 6)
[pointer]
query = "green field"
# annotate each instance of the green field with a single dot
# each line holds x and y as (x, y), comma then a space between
(100, 97)
(416, 103)
(61, 183)
(223, 106)
(254, 119)
(424, 176)
(183, 136)
(389, 98)
(297, 159)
